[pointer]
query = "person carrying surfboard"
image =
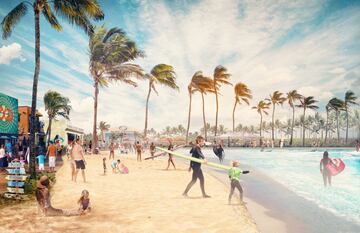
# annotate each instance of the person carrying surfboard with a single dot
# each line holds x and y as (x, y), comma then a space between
(170, 160)
(234, 175)
(324, 162)
(196, 167)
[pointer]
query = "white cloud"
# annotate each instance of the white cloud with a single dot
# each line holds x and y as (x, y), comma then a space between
(10, 52)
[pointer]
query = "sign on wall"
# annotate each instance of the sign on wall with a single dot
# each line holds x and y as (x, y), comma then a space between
(9, 116)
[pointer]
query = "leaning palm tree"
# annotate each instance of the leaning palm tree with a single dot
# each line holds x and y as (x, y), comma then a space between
(103, 127)
(275, 99)
(110, 54)
(327, 108)
(221, 76)
(163, 74)
(292, 97)
(78, 12)
(306, 103)
(350, 99)
(55, 105)
(337, 105)
(242, 93)
(262, 108)
(202, 84)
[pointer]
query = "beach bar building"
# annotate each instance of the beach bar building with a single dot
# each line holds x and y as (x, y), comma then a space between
(64, 129)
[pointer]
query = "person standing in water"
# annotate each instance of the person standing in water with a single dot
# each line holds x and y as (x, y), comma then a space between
(170, 160)
(196, 167)
(138, 150)
(357, 146)
(324, 170)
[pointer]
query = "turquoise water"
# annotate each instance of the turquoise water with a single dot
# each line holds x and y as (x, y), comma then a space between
(298, 170)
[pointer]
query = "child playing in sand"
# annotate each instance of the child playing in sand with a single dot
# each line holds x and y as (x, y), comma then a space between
(234, 175)
(115, 165)
(84, 202)
(104, 165)
(123, 169)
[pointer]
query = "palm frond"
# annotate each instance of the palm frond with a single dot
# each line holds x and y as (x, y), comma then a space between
(11, 19)
(50, 17)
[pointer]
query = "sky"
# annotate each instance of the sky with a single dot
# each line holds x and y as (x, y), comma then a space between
(310, 45)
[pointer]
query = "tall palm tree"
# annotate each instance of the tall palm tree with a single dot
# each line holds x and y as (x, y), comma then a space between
(110, 51)
(221, 76)
(262, 108)
(350, 99)
(242, 93)
(163, 74)
(292, 97)
(275, 99)
(306, 103)
(337, 105)
(202, 84)
(55, 105)
(78, 12)
(327, 108)
(103, 126)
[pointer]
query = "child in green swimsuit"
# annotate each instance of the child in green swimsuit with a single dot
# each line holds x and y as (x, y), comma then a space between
(234, 175)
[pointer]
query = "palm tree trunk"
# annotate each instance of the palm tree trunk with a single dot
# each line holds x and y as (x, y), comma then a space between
(292, 126)
(94, 137)
(347, 125)
(233, 116)
(49, 131)
(217, 109)
(188, 126)
(326, 126)
(34, 94)
(303, 134)
(147, 109)
(260, 124)
(203, 107)
(272, 127)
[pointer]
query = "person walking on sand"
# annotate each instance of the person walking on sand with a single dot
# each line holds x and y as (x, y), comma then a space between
(112, 150)
(138, 151)
(72, 161)
(152, 150)
(324, 170)
(170, 160)
(234, 175)
(51, 154)
(79, 159)
(196, 167)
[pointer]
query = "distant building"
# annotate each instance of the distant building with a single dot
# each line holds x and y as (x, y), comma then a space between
(65, 130)
(24, 124)
(122, 134)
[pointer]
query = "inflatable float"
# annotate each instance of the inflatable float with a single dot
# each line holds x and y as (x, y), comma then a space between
(336, 167)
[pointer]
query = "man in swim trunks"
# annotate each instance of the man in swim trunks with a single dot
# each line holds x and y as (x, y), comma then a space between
(79, 159)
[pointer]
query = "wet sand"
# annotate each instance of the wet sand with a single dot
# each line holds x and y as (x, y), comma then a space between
(146, 200)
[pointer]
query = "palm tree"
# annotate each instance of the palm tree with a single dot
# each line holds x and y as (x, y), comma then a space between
(103, 126)
(337, 105)
(292, 97)
(306, 103)
(262, 108)
(110, 51)
(242, 93)
(221, 76)
(203, 85)
(327, 108)
(163, 74)
(275, 99)
(78, 12)
(55, 105)
(350, 99)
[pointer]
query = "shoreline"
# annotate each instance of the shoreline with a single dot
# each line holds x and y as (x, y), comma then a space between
(277, 209)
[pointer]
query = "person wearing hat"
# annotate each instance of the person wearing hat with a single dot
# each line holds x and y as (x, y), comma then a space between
(43, 198)
(234, 175)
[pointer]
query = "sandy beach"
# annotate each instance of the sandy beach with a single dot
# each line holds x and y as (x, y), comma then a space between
(146, 200)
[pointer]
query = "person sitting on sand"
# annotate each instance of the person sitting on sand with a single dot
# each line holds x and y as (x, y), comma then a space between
(357, 146)
(123, 169)
(196, 167)
(170, 160)
(234, 175)
(324, 170)
(42, 195)
(84, 202)
(115, 165)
